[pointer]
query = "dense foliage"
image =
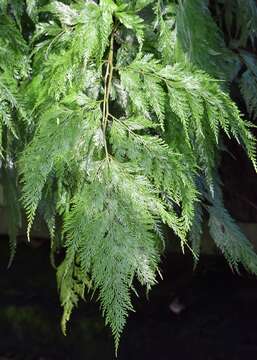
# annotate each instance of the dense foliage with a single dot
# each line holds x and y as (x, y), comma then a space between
(112, 115)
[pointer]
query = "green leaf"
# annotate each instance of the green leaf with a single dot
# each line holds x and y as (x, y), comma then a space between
(133, 22)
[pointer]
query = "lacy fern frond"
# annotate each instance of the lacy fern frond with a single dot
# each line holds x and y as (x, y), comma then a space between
(109, 231)
(112, 112)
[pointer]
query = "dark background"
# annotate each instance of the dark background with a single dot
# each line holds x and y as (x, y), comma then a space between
(219, 320)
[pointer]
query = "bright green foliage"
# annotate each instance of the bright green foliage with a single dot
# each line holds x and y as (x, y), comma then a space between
(113, 117)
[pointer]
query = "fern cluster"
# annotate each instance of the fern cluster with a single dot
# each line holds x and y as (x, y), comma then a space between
(112, 114)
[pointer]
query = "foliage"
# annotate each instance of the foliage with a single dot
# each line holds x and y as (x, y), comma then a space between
(113, 113)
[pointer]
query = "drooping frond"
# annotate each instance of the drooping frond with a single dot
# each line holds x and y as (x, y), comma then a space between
(61, 127)
(227, 235)
(200, 40)
(14, 68)
(110, 219)
(248, 82)
(13, 209)
(240, 18)
(196, 232)
(112, 112)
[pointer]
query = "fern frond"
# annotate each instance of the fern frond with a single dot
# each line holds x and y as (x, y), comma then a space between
(32, 8)
(230, 239)
(11, 199)
(241, 21)
(58, 134)
(195, 23)
(165, 24)
(140, 4)
(248, 82)
(131, 21)
(103, 215)
(65, 13)
(248, 88)
(195, 235)
(112, 112)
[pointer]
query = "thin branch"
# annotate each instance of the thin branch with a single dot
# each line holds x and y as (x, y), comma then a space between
(107, 90)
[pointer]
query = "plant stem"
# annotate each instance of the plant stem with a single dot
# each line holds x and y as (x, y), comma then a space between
(107, 90)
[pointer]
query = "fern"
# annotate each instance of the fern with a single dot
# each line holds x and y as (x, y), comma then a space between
(116, 207)
(248, 82)
(195, 235)
(228, 236)
(14, 67)
(112, 112)
(241, 21)
(195, 23)
(13, 209)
